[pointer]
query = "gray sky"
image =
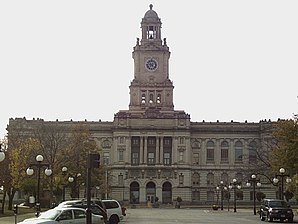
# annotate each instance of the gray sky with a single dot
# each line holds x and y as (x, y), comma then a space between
(230, 60)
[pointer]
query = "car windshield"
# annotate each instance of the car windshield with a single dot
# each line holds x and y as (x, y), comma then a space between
(278, 204)
(50, 214)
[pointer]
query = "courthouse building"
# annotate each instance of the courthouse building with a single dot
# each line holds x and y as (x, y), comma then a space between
(153, 150)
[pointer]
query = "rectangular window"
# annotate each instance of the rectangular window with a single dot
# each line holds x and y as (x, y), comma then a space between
(167, 158)
(181, 140)
(210, 154)
(151, 158)
(120, 180)
(121, 140)
(238, 155)
(181, 178)
(224, 155)
(135, 158)
(196, 158)
(106, 158)
(121, 155)
(181, 155)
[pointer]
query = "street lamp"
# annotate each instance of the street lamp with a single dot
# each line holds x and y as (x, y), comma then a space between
(2, 154)
(77, 185)
(282, 175)
(64, 170)
(221, 194)
(30, 171)
(254, 183)
(236, 186)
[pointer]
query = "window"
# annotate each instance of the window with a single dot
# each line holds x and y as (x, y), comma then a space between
(210, 179)
(181, 140)
(196, 158)
(106, 158)
(210, 196)
(158, 100)
(224, 151)
(238, 151)
(121, 140)
(151, 158)
(135, 158)
(66, 215)
(79, 214)
(181, 178)
(196, 179)
(210, 151)
(120, 155)
(225, 178)
(120, 179)
(167, 158)
(196, 196)
(181, 155)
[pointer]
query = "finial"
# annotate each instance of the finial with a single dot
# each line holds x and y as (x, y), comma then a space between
(150, 6)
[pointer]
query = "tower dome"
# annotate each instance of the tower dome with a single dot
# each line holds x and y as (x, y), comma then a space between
(151, 14)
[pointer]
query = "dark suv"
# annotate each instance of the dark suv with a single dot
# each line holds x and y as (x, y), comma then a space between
(275, 209)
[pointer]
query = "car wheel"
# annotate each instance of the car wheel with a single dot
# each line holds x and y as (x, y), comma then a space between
(114, 219)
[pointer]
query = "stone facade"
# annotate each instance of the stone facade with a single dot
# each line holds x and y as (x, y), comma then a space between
(154, 151)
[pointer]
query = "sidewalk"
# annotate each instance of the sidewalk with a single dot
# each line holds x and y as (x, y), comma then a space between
(11, 219)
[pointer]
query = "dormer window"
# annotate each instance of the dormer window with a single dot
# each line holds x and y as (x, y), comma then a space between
(151, 98)
(143, 101)
(158, 101)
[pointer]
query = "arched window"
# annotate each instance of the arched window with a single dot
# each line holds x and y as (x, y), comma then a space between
(210, 179)
(196, 179)
(210, 151)
(238, 151)
(158, 99)
(151, 98)
(225, 178)
(143, 101)
(224, 151)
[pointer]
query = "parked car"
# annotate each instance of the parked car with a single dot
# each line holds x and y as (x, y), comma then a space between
(114, 211)
(272, 209)
(64, 215)
(95, 209)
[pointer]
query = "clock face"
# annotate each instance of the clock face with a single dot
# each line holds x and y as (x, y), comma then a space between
(151, 64)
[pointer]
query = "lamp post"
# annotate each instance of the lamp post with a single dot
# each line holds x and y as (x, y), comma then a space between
(74, 178)
(30, 171)
(282, 175)
(236, 186)
(64, 170)
(2, 154)
(217, 194)
(221, 194)
(254, 182)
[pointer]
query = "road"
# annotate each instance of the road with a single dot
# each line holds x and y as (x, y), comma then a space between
(184, 215)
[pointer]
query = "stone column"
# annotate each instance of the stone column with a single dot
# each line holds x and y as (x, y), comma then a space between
(161, 151)
(145, 150)
(128, 150)
(141, 150)
(157, 150)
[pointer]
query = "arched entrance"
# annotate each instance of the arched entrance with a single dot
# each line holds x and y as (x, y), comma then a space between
(150, 192)
(134, 193)
(167, 193)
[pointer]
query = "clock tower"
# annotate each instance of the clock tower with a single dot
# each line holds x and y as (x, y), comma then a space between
(151, 87)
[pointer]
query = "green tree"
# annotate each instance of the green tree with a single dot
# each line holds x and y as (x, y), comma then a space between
(285, 153)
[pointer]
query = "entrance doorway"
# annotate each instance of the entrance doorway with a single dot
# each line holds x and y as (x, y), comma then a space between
(167, 193)
(150, 192)
(134, 193)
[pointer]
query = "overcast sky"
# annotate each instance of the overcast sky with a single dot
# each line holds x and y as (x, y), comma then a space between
(230, 60)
